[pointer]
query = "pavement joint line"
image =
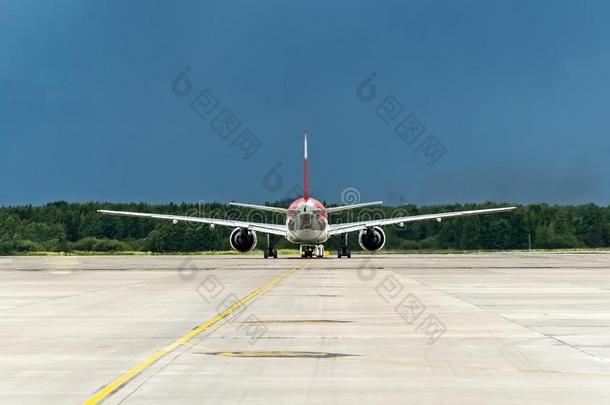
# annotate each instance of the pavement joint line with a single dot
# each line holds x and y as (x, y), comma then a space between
(514, 321)
(126, 377)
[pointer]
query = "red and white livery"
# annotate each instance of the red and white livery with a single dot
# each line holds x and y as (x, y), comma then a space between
(307, 223)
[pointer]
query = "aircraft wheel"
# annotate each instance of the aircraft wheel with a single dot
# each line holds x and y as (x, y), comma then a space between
(265, 254)
(349, 254)
(274, 254)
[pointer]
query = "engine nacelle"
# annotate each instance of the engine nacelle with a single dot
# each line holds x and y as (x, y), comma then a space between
(243, 240)
(372, 239)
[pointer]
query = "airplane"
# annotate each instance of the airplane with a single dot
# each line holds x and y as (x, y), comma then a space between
(307, 224)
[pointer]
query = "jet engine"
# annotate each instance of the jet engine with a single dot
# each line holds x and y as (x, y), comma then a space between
(372, 239)
(243, 240)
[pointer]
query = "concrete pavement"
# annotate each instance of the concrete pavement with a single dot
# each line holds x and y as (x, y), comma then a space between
(495, 328)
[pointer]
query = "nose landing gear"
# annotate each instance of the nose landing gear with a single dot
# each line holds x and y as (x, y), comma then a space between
(311, 250)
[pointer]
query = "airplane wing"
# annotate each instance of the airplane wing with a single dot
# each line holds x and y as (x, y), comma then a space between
(336, 229)
(330, 210)
(255, 226)
(260, 207)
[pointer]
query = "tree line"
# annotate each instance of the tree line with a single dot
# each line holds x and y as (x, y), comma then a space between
(77, 227)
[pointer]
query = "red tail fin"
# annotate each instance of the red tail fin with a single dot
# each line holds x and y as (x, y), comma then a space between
(305, 172)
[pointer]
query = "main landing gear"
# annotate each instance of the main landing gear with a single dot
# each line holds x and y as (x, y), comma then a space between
(270, 251)
(344, 250)
(311, 250)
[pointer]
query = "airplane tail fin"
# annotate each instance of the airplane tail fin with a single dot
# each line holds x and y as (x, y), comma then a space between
(305, 172)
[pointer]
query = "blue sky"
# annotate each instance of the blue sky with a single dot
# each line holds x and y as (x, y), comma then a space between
(516, 92)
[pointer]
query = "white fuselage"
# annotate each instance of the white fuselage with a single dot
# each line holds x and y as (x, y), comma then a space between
(307, 222)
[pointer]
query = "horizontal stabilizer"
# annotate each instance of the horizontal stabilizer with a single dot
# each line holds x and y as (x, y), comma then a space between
(260, 207)
(352, 207)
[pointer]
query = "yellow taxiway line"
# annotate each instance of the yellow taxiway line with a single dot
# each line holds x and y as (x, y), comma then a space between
(120, 381)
